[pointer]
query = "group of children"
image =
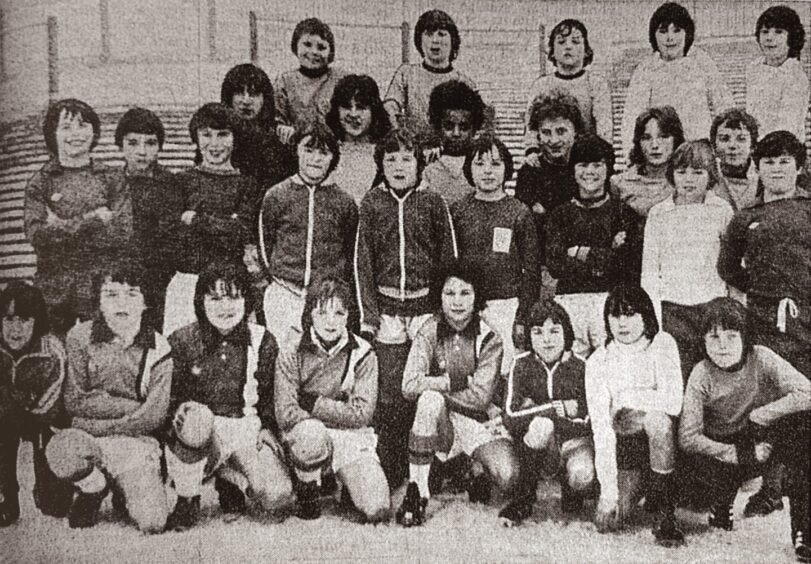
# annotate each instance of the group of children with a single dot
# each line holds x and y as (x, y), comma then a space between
(340, 295)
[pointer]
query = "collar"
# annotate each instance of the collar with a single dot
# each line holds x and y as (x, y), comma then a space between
(435, 70)
(574, 76)
(54, 167)
(33, 346)
(299, 181)
(309, 341)
(314, 73)
(590, 204)
(212, 338)
(100, 332)
(151, 172)
(216, 171)
(471, 330)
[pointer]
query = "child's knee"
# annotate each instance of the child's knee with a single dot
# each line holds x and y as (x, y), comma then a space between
(145, 498)
(193, 425)
(309, 445)
(580, 474)
(540, 433)
(429, 405)
(148, 517)
(71, 454)
(657, 424)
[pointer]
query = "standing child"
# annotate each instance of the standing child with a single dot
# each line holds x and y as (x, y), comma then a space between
(546, 413)
(681, 245)
(634, 394)
(570, 52)
(776, 85)
(734, 133)
(592, 244)
(306, 230)
(303, 94)
(496, 234)
(405, 236)
(357, 118)
(325, 395)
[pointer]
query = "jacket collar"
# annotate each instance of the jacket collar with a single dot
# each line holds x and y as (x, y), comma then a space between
(100, 332)
(471, 330)
(310, 342)
(33, 347)
(212, 338)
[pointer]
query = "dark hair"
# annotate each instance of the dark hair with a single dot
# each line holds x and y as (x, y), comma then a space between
(553, 106)
(321, 291)
(320, 137)
(777, 144)
(73, 107)
(694, 154)
(734, 118)
(364, 91)
(593, 149)
(537, 316)
(463, 270)
(313, 26)
(669, 125)
(215, 116)
(676, 14)
(139, 120)
(482, 145)
(253, 79)
(398, 140)
(125, 272)
(433, 20)
(455, 95)
(630, 300)
(28, 304)
(233, 275)
(564, 28)
(783, 17)
(727, 314)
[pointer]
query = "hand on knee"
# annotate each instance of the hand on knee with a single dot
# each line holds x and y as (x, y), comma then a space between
(540, 434)
(193, 424)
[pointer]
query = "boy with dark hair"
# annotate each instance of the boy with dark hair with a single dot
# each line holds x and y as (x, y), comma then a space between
(117, 393)
(77, 218)
(456, 113)
(734, 133)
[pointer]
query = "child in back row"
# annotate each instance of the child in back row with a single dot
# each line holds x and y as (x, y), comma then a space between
(733, 135)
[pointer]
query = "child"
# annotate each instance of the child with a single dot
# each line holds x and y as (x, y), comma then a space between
(546, 413)
(570, 52)
(76, 217)
(644, 183)
(456, 113)
(634, 394)
(222, 404)
(218, 206)
(117, 393)
(436, 38)
(451, 373)
(679, 264)
(303, 94)
(325, 394)
(592, 244)
(734, 133)
(357, 118)
(247, 90)
(156, 204)
(496, 233)
(306, 230)
(32, 365)
(776, 85)
(745, 405)
(676, 74)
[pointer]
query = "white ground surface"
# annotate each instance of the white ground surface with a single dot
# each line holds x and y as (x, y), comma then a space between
(455, 532)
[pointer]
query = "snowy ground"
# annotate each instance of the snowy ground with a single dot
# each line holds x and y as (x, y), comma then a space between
(456, 532)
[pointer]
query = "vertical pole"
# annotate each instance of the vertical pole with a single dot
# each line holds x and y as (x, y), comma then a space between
(53, 58)
(2, 44)
(405, 34)
(212, 30)
(541, 49)
(254, 34)
(104, 21)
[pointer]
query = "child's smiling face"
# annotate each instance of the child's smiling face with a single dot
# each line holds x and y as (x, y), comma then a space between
(724, 346)
(215, 145)
(773, 43)
(457, 131)
(400, 169)
(569, 51)
(330, 319)
(313, 162)
(17, 330)
(436, 47)
(355, 119)
(671, 40)
(547, 341)
(121, 306)
(487, 170)
(691, 183)
(778, 174)
(74, 136)
(556, 137)
(140, 150)
(224, 307)
(313, 51)
(590, 178)
(657, 148)
(733, 145)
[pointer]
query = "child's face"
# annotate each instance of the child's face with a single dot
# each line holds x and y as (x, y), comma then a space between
(547, 341)
(436, 47)
(224, 307)
(773, 43)
(487, 170)
(556, 137)
(330, 319)
(691, 183)
(627, 329)
(778, 174)
(121, 306)
(657, 148)
(569, 50)
(247, 104)
(733, 146)
(458, 300)
(140, 150)
(724, 346)
(74, 136)
(457, 131)
(400, 169)
(17, 330)
(590, 178)
(671, 39)
(312, 51)
(355, 119)
(215, 145)
(313, 162)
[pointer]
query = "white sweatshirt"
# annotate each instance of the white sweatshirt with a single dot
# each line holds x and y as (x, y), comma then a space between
(777, 97)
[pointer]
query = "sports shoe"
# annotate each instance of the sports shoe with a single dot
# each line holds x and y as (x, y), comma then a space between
(515, 512)
(721, 517)
(232, 499)
(9, 509)
(412, 511)
(478, 489)
(802, 550)
(761, 503)
(185, 515)
(85, 509)
(308, 501)
(667, 531)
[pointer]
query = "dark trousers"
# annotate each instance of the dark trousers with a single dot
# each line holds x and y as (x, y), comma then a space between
(794, 344)
(684, 322)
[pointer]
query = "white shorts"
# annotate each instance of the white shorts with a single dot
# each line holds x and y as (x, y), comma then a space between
(469, 435)
(283, 308)
(351, 445)
(586, 313)
(232, 434)
(121, 454)
(500, 315)
(399, 329)
(179, 305)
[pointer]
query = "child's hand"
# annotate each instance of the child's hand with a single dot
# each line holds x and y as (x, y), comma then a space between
(251, 258)
(285, 133)
(533, 159)
(431, 154)
(53, 219)
(104, 214)
(560, 411)
(538, 208)
(188, 216)
(762, 452)
(619, 240)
